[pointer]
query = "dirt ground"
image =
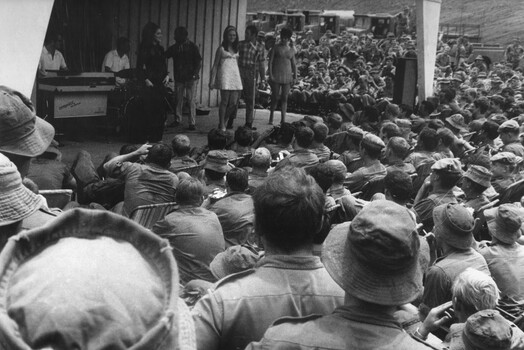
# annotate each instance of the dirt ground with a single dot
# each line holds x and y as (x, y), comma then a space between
(92, 134)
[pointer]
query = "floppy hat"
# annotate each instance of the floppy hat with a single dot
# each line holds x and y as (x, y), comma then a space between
(454, 225)
(504, 223)
(373, 141)
(16, 201)
(480, 175)
(21, 131)
(487, 330)
(449, 165)
(217, 161)
(375, 257)
(509, 125)
(457, 121)
(96, 280)
(234, 259)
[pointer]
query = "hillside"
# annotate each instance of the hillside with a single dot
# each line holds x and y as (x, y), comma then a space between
(500, 20)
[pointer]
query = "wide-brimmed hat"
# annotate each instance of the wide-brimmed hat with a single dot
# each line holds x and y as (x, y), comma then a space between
(21, 131)
(373, 141)
(457, 121)
(375, 257)
(234, 259)
(506, 157)
(217, 161)
(96, 280)
(487, 330)
(16, 201)
(480, 175)
(504, 222)
(448, 165)
(454, 225)
(509, 125)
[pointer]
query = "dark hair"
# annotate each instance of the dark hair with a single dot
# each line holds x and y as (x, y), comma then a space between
(449, 94)
(399, 185)
(448, 180)
(216, 139)
(181, 31)
(491, 129)
(286, 133)
(428, 106)
(320, 131)
(148, 33)
(289, 207)
(160, 154)
(286, 33)
(371, 114)
(252, 29)
(304, 136)
(446, 136)
(121, 42)
(213, 175)
(323, 176)
(225, 44)
(181, 145)
(407, 108)
(372, 151)
(128, 148)
(189, 191)
(482, 104)
(428, 139)
(390, 130)
(244, 136)
(237, 179)
(50, 37)
(398, 146)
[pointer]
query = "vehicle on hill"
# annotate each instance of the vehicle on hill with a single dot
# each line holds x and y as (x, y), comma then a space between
(379, 24)
(250, 17)
(336, 21)
(268, 20)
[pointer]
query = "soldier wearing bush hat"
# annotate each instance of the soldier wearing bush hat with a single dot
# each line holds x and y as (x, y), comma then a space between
(375, 260)
(474, 182)
(503, 165)
(503, 253)
(453, 233)
(487, 330)
(509, 135)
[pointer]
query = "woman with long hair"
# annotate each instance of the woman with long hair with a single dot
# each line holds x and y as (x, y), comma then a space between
(282, 73)
(152, 62)
(225, 76)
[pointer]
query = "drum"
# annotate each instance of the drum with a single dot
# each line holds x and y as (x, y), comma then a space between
(132, 123)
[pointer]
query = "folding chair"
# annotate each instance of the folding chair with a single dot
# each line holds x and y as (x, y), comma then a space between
(148, 215)
(57, 198)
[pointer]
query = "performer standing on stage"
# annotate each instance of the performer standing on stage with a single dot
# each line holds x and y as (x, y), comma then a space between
(251, 58)
(152, 60)
(186, 66)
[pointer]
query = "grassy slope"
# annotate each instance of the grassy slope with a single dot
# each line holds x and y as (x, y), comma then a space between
(500, 20)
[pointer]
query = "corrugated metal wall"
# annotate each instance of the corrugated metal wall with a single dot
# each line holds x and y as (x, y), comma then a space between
(204, 19)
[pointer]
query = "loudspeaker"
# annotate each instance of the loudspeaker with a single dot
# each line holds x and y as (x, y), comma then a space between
(405, 89)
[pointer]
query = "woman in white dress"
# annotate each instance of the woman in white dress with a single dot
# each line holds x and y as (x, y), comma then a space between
(225, 76)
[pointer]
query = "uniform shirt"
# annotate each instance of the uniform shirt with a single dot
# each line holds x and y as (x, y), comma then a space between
(358, 179)
(244, 305)
(51, 62)
(424, 208)
(501, 184)
(196, 237)
(505, 262)
(236, 213)
(256, 180)
(515, 148)
(144, 184)
(440, 276)
(323, 153)
(408, 168)
(180, 163)
(476, 203)
(348, 327)
(300, 158)
(420, 157)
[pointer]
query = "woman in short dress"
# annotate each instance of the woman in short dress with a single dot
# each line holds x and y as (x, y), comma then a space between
(282, 73)
(225, 76)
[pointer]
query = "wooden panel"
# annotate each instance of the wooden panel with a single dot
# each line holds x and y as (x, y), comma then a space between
(154, 12)
(208, 52)
(199, 41)
(233, 6)
(182, 13)
(241, 15)
(134, 30)
(123, 18)
(164, 21)
(172, 18)
(144, 14)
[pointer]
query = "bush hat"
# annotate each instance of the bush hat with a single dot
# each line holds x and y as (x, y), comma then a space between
(16, 201)
(96, 280)
(217, 161)
(449, 165)
(479, 174)
(454, 225)
(457, 121)
(234, 259)
(375, 257)
(509, 125)
(504, 222)
(506, 157)
(21, 131)
(373, 141)
(487, 330)
(355, 132)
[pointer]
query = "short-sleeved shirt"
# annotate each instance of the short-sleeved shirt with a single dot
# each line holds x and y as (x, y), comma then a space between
(244, 305)
(144, 184)
(51, 62)
(505, 262)
(440, 276)
(300, 158)
(196, 237)
(115, 62)
(236, 213)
